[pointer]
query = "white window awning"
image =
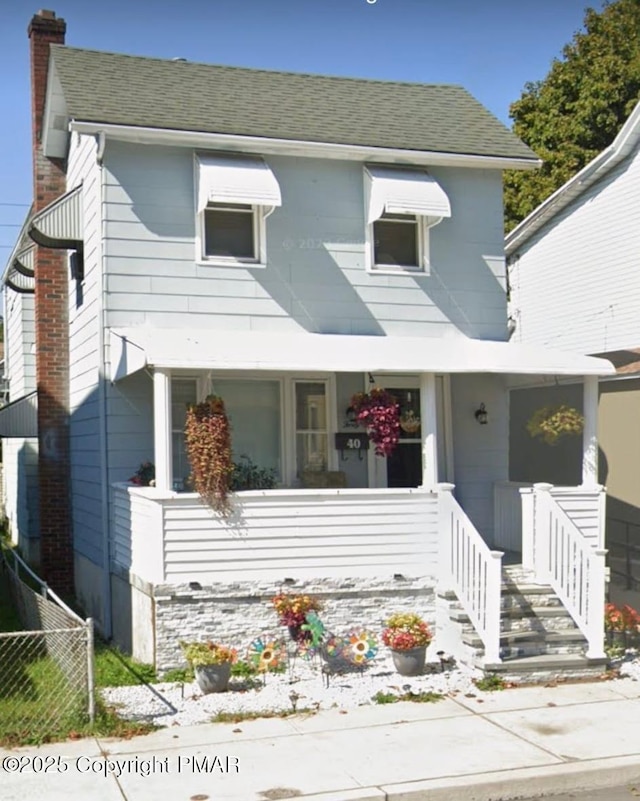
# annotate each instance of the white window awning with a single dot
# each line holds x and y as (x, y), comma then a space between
(21, 273)
(135, 348)
(60, 224)
(398, 190)
(20, 418)
(236, 179)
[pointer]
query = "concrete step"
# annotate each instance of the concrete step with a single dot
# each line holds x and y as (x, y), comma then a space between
(510, 617)
(545, 667)
(550, 637)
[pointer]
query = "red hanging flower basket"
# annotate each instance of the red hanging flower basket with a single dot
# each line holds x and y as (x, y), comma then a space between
(379, 412)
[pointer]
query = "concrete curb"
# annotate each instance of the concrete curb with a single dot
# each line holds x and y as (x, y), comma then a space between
(508, 785)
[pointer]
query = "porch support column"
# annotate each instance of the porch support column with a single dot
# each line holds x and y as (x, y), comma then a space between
(162, 427)
(428, 427)
(590, 432)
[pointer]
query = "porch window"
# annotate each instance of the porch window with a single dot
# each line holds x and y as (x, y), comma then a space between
(184, 391)
(311, 424)
(253, 408)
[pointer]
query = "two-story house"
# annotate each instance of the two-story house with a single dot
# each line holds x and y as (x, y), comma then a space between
(283, 241)
(575, 284)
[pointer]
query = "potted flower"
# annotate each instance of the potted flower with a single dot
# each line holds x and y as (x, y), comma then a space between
(145, 475)
(292, 612)
(379, 412)
(550, 423)
(211, 663)
(621, 624)
(407, 635)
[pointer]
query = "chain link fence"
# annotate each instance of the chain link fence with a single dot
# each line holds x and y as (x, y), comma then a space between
(46, 670)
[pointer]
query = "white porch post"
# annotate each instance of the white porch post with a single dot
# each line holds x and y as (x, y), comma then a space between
(590, 432)
(428, 427)
(162, 427)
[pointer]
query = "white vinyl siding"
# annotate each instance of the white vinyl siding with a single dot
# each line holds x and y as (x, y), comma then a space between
(576, 284)
(306, 534)
(315, 277)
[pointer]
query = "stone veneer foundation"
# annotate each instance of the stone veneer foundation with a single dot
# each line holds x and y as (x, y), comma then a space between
(238, 612)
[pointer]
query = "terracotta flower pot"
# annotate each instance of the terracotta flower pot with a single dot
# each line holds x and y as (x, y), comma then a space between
(410, 662)
(213, 678)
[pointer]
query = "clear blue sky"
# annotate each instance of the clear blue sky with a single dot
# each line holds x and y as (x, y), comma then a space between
(492, 48)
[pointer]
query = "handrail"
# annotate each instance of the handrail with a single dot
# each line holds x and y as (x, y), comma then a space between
(472, 570)
(564, 558)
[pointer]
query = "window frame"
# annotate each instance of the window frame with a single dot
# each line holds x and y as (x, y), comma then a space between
(259, 258)
(422, 247)
(288, 456)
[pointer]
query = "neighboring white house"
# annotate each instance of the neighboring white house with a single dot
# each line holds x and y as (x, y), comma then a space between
(283, 240)
(574, 276)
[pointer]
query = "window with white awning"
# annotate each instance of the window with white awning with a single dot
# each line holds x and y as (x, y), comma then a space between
(402, 206)
(235, 194)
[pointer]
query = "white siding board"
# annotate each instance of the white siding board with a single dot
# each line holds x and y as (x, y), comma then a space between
(576, 284)
(316, 239)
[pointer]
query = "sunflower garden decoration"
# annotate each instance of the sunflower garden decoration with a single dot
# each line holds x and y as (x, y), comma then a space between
(550, 423)
(267, 655)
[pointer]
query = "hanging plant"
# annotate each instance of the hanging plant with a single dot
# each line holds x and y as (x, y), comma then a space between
(550, 423)
(208, 440)
(379, 412)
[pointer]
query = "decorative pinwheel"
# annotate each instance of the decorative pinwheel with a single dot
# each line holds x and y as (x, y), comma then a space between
(361, 647)
(266, 655)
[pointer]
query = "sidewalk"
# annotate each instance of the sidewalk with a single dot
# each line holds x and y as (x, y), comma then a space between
(509, 744)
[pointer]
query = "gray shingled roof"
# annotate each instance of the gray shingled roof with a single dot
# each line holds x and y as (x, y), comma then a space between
(148, 92)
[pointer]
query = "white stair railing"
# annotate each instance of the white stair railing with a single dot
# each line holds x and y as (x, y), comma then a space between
(472, 570)
(564, 558)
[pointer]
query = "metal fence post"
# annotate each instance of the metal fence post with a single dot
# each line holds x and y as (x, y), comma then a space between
(90, 680)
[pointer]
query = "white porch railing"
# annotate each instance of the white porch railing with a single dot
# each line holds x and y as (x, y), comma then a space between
(472, 570)
(563, 556)
(173, 538)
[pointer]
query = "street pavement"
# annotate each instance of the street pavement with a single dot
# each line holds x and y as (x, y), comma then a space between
(517, 743)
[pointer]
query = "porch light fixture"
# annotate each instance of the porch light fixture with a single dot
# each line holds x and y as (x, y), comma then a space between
(482, 415)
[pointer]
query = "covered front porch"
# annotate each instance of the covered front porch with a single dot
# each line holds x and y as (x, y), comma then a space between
(444, 525)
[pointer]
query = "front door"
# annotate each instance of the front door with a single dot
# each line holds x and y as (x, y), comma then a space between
(404, 467)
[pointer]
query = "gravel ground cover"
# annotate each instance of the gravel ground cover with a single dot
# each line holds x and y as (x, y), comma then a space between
(303, 686)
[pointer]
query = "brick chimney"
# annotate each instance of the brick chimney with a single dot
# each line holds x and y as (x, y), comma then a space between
(52, 334)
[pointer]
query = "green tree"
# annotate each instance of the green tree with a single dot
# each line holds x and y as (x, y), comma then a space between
(578, 109)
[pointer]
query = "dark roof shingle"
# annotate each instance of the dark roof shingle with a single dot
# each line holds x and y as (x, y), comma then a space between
(156, 93)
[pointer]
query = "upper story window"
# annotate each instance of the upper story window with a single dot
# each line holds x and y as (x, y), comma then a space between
(235, 194)
(402, 205)
(230, 231)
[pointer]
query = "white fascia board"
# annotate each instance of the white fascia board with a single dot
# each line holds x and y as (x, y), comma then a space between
(293, 147)
(627, 138)
(55, 120)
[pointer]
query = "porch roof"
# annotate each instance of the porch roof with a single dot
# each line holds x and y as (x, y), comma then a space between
(132, 349)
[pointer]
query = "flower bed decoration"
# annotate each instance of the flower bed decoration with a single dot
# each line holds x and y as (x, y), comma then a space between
(550, 423)
(379, 412)
(292, 611)
(208, 440)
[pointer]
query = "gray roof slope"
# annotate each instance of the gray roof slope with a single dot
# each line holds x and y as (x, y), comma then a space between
(156, 93)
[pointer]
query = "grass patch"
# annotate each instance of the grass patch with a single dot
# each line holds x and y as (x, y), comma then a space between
(490, 683)
(418, 698)
(179, 675)
(238, 717)
(113, 668)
